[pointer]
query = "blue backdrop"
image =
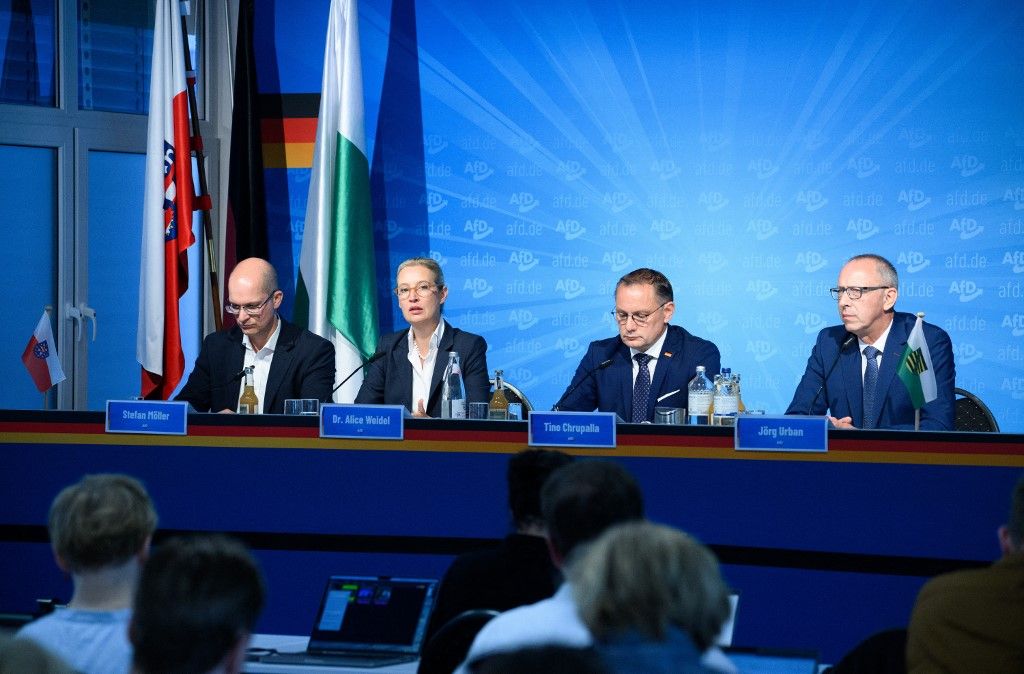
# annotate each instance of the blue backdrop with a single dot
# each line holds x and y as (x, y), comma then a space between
(745, 149)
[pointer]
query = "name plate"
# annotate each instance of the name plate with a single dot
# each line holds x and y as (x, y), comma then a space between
(377, 422)
(793, 433)
(157, 417)
(571, 429)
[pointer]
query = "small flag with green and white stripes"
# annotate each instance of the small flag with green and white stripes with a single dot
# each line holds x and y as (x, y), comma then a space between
(915, 368)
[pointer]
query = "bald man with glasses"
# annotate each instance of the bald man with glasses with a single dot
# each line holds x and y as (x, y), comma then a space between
(287, 361)
(648, 364)
(851, 373)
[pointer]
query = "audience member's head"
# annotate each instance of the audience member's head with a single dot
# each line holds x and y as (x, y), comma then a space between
(102, 521)
(197, 604)
(24, 656)
(527, 472)
(581, 500)
(643, 578)
(541, 660)
(1011, 534)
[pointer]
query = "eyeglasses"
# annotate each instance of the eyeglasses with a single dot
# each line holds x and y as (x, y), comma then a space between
(422, 290)
(249, 309)
(639, 317)
(854, 292)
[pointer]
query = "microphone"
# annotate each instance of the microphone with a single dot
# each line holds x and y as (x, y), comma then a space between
(232, 379)
(600, 366)
(351, 374)
(835, 361)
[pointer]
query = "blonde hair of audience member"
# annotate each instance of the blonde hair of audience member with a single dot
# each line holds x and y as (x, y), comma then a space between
(100, 530)
(24, 656)
(643, 577)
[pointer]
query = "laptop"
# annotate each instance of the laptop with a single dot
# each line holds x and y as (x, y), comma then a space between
(772, 660)
(367, 621)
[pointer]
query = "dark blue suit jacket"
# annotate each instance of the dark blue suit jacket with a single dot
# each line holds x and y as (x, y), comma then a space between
(303, 367)
(388, 380)
(843, 392)
(611, 389)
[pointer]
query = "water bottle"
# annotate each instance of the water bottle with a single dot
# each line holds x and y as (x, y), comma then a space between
(725, 401)
(453, 395)
(700, 392)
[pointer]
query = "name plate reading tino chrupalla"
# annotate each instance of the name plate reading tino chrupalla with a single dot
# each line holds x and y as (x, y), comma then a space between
(154, 417)
(373, 422)
(571, 429)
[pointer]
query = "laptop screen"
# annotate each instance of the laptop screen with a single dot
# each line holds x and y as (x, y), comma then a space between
(772, 661)
(373, 614)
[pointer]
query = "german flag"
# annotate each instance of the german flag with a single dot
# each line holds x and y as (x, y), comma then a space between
(288, 129)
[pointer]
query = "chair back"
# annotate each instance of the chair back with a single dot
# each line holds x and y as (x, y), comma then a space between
(881, 653)
(972, 414)
(515, 395)
(448, 648)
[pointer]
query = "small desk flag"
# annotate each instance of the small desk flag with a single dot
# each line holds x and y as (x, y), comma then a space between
(40, 357)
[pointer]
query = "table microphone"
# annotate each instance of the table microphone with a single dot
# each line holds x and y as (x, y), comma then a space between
(835, 361)
(600, 366)
(351, 374)
(234, 378)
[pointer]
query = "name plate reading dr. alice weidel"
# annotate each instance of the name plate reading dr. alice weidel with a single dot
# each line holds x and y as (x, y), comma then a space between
(572, 429)
(792, 433)
(374, 422)
(157, 417)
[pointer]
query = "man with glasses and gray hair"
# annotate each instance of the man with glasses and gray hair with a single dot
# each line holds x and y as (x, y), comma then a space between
(287, 361)
(649, 364)
(851, 372)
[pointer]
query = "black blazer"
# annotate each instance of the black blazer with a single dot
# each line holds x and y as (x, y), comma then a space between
(388, 380)
(611, 389)
(303, 367)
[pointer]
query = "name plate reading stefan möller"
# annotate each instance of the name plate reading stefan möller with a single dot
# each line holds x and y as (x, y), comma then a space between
(572, 429)
(781, 433)
(158, 417)
(375, 422)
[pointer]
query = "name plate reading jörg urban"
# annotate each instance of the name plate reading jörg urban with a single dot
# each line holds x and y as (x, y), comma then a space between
(792, 433)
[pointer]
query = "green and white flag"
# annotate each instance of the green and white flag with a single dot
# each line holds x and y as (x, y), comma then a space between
(915, 368)
(336, 294)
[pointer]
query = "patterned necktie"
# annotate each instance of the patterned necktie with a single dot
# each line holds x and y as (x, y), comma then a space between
(870, 386)
(641, 388)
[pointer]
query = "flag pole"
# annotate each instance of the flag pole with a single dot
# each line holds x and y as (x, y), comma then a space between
(203, 202)
(917, 411)
(47, 309)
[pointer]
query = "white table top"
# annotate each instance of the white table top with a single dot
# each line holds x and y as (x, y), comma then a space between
(284, 643)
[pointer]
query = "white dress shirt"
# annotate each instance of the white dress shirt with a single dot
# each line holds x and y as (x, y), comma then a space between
(260, 362)
(654, 352)
(878, 344)
(423, 366)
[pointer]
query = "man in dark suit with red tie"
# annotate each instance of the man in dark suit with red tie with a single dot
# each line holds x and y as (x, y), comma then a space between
(852, 370)
(649, 364)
